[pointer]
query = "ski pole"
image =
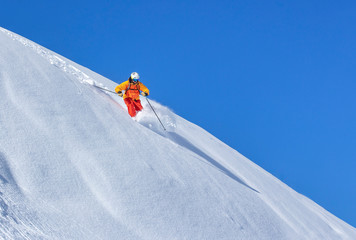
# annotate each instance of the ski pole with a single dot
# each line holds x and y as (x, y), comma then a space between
(105, 89)
(156, 114)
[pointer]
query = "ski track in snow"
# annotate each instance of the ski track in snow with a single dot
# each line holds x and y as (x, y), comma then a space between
(52, 58)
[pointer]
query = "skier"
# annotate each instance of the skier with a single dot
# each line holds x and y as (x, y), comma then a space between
(133, 88)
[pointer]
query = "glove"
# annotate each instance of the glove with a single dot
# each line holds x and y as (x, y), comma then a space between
(144, 94)
(120, 93)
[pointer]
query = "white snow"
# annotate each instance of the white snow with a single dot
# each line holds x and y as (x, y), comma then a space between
(74, 165)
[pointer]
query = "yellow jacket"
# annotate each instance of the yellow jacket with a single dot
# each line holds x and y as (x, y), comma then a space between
(132, 90)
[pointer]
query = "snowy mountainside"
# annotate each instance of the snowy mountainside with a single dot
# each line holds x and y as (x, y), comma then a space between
(74, 165)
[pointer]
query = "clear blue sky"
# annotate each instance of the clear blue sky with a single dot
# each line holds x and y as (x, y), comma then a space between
(275, 80)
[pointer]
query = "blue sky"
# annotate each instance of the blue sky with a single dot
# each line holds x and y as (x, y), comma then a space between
(275, 80)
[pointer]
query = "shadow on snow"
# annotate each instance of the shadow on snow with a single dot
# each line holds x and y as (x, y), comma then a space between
(173, 136)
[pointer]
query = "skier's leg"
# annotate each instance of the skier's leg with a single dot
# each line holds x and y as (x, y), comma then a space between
(138, 106)
(130, 106)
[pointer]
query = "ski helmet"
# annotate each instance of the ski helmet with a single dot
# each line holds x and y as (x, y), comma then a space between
(135, 76)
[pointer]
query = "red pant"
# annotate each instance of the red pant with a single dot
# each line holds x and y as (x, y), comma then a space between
(133, 106)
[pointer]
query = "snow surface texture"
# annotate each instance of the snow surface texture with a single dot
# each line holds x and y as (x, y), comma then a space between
(74, 165)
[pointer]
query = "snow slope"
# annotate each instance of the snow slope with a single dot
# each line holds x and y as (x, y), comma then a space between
(74, 165)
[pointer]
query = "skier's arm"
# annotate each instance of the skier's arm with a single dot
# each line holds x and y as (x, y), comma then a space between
(121, 87)
(144, 89)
